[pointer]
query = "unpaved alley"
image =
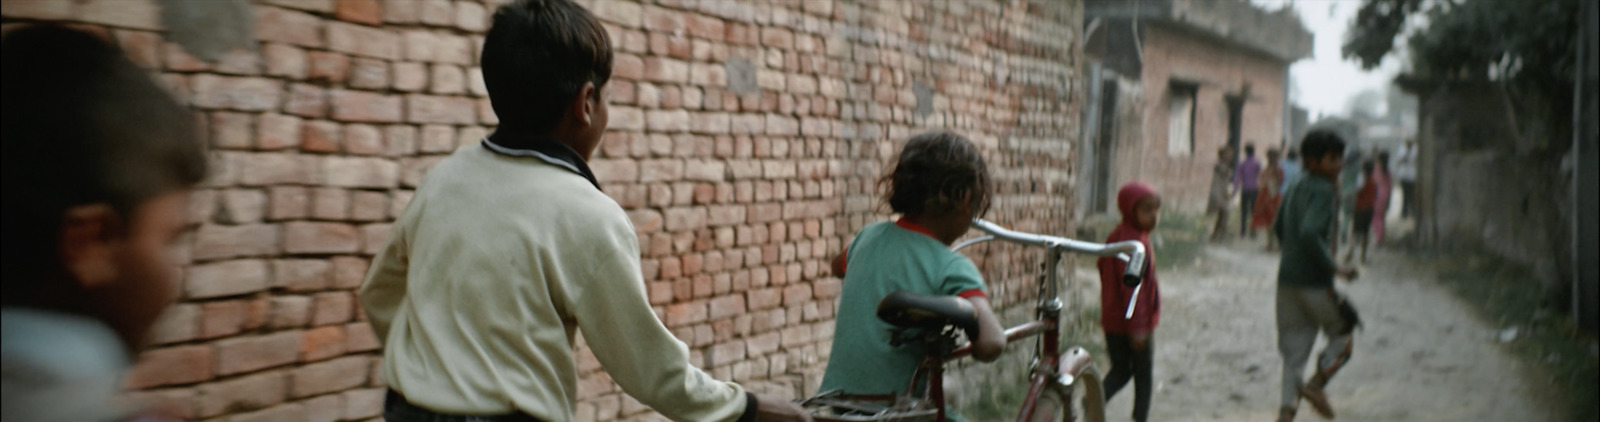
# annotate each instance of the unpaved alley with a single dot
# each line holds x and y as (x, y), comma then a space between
(1422, 356)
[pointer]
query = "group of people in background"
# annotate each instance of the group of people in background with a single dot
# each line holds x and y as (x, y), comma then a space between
(1365, 185)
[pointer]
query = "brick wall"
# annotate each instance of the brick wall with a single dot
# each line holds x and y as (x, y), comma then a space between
(745, 142)
(1220, 70)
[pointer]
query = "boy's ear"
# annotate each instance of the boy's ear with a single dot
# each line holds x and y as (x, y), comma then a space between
(86, 243)
(587, 100)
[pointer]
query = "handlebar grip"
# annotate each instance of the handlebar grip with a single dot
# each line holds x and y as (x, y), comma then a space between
(1133, 275)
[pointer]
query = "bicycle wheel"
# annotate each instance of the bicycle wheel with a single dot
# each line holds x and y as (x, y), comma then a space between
(1082, 401)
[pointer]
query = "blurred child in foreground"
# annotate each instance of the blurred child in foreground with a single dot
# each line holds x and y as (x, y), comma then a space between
(98, 166)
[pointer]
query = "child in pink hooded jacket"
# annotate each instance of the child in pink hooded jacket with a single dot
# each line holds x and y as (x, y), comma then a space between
(1128, 339)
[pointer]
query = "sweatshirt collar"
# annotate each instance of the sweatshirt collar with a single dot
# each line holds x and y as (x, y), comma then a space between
(544, 149)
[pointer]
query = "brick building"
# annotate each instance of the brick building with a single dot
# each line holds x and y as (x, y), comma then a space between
(1178, 79)
(746, 139)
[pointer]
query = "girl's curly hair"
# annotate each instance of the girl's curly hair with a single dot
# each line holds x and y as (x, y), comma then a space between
(934, 172)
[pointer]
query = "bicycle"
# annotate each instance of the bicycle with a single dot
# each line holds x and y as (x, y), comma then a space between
(1055, 377)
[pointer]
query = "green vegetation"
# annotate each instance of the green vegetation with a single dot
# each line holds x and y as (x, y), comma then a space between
(1563, 366)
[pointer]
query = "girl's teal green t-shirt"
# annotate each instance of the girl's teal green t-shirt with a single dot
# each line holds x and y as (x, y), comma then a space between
(883, 258)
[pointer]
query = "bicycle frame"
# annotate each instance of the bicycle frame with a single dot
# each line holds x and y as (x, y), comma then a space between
(1049, 369)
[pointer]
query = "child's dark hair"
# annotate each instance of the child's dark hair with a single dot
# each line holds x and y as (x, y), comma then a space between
(537, 57)
(83, 125)
(1250, 150)
(1320, 143)
(934, 173)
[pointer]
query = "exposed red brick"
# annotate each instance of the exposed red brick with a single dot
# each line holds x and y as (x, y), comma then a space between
(374, 236)
(320, 136)
(471, 17)
(324, 408)
(621, 13)
(143, 48)
(363, 41)
(223, 318)
(332, 308)
(306, 100)
(38, 9)
(288, 202)
(236, 93)
(363, 403)
(447, 79)
(226, 278)
(363, 106)
(172, 365)
(289, 312)
(354, 172)
(246, 354)
(348, 272)
(322, 343)
(314, 238)
(286, 26)
(302, 274)
(359, 337)
(246, 393)
(178, 323)
(324, 377)
(330, 203)
(360, 11)
(437, 109)
(368, 73)
(436, 12)
(140, 14)
(282, 412)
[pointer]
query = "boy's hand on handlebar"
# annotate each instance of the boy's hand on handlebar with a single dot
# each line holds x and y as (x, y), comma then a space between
(1348, 273)
(773, 409)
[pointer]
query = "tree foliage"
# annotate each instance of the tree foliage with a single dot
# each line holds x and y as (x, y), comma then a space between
(1527, 47)
(1374, 31)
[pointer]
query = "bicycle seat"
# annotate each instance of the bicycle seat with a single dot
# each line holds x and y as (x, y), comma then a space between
(915, 310)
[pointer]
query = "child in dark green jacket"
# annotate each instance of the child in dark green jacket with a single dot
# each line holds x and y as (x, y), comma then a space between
(1307, 303)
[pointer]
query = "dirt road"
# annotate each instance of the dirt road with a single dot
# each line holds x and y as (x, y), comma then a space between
(1423, 356)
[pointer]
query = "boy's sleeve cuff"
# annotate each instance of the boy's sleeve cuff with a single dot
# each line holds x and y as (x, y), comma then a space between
(749, 407)
(972, 293)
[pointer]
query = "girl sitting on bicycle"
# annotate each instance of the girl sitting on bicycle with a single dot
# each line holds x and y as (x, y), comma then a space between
(1128, 339)
(937, 185)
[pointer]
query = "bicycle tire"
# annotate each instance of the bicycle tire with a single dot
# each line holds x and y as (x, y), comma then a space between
(1084, 396)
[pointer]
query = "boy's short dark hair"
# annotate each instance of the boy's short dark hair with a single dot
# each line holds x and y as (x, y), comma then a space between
(932, 174)
(1319, 143)
(536, 58)
(1249, 149)
(83, 125)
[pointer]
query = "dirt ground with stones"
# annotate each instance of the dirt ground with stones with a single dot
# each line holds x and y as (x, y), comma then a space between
(1422, 356)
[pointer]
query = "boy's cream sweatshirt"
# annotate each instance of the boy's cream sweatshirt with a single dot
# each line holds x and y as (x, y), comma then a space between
(495, 266)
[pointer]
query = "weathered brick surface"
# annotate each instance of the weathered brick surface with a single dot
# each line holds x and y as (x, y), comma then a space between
(746, 141)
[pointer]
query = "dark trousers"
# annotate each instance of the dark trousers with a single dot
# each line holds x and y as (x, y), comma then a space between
(1127, 364)
(1408, 198)
(1247, 206)
(397, 409)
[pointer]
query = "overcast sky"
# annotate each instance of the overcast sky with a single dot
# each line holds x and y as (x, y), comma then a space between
(1325, 81)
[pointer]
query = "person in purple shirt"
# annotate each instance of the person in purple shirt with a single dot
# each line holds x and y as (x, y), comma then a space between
(1244, 180)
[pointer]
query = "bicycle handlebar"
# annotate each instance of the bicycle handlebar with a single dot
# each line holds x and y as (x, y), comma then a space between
(1128, 250)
